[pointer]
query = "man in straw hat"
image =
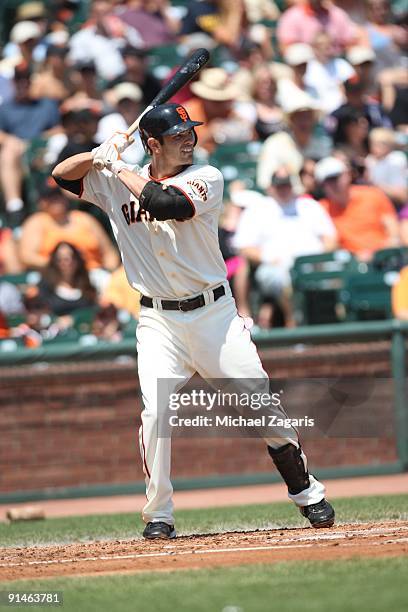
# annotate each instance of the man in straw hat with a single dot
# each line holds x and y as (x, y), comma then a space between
(216, 106)
(299, 142)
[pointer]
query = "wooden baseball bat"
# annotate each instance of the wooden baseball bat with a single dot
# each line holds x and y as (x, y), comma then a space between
(184, 74)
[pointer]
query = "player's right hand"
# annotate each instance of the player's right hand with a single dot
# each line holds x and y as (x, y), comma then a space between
(105, 153)
(109, 151)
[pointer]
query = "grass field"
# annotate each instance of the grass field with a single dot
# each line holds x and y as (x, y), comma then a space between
(372, 585)
(375, 585)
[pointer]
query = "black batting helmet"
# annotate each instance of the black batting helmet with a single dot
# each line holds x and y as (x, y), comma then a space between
(165, 120)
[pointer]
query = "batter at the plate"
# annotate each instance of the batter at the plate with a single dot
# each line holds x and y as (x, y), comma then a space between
(165, 219)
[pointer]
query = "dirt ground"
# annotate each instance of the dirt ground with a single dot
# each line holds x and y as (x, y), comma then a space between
(193, 552)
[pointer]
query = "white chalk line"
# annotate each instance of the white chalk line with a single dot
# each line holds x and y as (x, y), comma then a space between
(322, 538)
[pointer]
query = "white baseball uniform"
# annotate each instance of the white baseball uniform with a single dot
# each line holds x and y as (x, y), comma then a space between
(179, 260)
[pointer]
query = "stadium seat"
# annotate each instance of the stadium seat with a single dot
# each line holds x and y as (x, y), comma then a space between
(316, 282)
(83, 319)
(367, 295)
(32, 277)
(390, 260)
(237, 160)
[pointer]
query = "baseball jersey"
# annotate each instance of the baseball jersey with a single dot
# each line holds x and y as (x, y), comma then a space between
(168, 259)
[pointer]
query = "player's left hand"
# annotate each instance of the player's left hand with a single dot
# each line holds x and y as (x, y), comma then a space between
(115, 166)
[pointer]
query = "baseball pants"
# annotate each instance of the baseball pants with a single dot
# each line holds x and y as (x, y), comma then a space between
(172, 346)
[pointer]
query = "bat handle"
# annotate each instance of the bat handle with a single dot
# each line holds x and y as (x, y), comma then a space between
(135, 126)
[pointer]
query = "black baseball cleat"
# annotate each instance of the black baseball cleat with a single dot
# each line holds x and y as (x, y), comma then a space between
(320, 514)
(159, 531)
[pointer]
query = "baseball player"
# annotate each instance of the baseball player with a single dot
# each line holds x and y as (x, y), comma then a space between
(165, 219)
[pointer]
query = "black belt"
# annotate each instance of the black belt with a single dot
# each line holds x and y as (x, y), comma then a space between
(185, 305)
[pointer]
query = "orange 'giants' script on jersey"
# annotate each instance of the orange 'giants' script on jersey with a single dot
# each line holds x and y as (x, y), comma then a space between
(182, 113)
(199, 187)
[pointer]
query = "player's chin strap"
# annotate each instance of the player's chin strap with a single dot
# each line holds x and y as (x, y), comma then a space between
(289, 463)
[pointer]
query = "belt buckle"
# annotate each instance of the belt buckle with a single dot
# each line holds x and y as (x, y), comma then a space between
(182, 306)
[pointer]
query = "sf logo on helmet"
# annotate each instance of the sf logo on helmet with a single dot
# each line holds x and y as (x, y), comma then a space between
(182, 113)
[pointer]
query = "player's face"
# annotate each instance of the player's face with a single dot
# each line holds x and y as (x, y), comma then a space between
(179, 147)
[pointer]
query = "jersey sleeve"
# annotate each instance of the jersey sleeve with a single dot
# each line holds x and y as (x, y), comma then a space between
(203, 188)
(96, 186)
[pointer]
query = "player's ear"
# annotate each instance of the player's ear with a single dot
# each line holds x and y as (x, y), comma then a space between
(153, 144)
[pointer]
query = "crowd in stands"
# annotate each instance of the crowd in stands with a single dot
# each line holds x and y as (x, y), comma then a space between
(305, 111)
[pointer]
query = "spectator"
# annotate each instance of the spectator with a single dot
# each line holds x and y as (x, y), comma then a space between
(219, 19)
(252, 57)
(297, 56)
(286, 227)
(126, 98)
(83, 123)
(106, 325)
(258, 10)
(404, 225)
(301, 23)
(237, 266)
(387, 168)
(153, 20)
(269, 115)
(4, 326)
(119, 293)
(362, 59)
(86, 92)
(292, 147)
(24, 41)
(307, 176)
(358, 100)
(227, 23)
(326, 73)
(399, 296)
(225, 119)
(10, 299)
(101, 39)
(55, 223)
(53, 80)
(6, 89)
(385, 38)
(136, 71)
(364, 217)
(65, 284)
(9, 259)
(351, 136)
(21, 120)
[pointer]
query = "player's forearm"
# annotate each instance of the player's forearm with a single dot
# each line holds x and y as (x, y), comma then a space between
(73, 168)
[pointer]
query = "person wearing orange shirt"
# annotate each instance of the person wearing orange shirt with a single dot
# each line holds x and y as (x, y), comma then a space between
(399, 296)
(55, 223)
(9, 259)
(365, 218)
(119, 293)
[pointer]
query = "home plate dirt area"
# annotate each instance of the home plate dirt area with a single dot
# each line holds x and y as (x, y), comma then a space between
(193, 552)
